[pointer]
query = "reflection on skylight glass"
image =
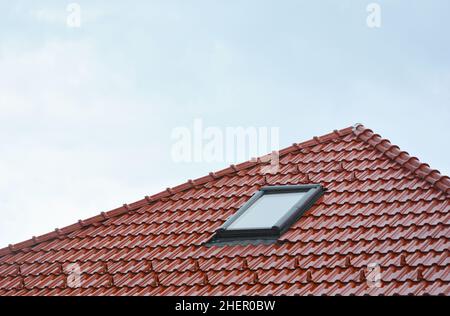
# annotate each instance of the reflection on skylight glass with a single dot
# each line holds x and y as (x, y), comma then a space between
(267, 210)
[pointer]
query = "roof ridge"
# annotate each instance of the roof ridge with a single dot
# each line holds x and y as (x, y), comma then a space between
(366, 135)
(411, 163)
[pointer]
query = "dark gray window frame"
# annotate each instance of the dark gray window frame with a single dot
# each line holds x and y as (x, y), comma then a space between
(314, 192)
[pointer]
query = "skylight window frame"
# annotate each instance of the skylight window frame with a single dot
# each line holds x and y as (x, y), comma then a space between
(313, 193)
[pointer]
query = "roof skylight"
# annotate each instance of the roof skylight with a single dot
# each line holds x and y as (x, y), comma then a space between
(269, 213)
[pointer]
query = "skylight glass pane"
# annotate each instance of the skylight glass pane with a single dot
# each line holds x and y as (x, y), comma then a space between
(267, 210)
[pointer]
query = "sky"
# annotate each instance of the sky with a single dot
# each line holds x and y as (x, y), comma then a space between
(88, 113)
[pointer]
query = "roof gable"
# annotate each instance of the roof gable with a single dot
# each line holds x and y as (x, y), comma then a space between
(382, 206)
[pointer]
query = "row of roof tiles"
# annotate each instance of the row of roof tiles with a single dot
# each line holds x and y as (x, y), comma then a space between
(392, 259)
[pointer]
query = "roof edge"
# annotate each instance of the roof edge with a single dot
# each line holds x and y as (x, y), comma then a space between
(413, 164)
(147, 200)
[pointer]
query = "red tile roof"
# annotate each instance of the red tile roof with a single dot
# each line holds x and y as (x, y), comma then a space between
(382, 206)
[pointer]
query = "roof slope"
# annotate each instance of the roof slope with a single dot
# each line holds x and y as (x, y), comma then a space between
(382, 206)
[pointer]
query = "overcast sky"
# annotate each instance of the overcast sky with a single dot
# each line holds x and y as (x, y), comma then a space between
(87, 114)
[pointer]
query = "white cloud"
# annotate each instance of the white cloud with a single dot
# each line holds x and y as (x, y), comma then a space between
(58, 15)
(41, 79)
(60, 79)
(54, 100)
